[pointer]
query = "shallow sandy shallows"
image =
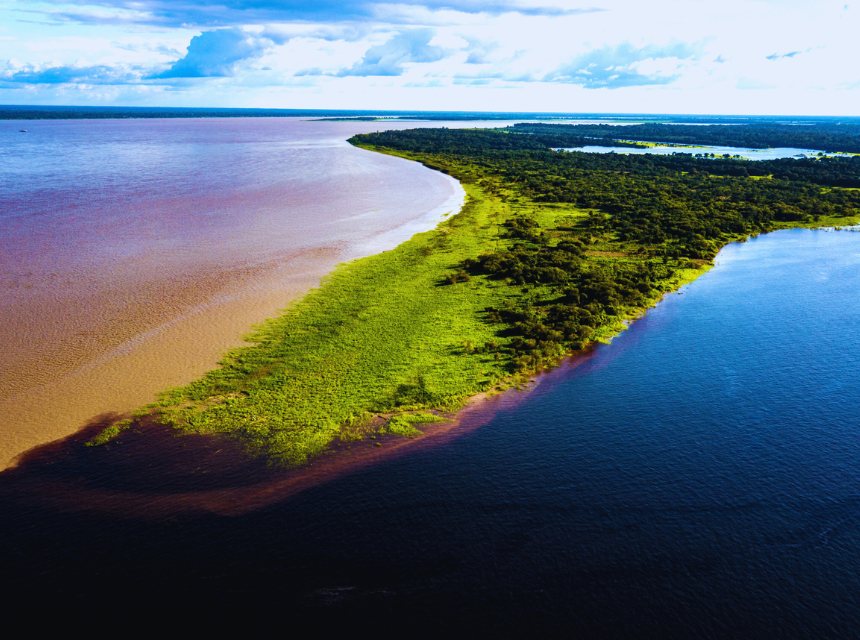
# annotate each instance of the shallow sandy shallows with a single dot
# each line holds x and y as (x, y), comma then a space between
(135, 273)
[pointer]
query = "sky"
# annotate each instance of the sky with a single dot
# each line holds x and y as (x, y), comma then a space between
(621, 56)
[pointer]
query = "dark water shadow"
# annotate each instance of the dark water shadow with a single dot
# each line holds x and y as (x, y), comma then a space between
(188, 520)
(152, 472)
(148, 457)
(153, 522)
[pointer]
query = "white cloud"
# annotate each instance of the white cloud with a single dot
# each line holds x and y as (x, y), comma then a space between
(731, 56)
(215, 54)
(391, 57)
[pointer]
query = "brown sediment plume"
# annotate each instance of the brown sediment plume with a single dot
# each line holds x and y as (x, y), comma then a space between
(153, 472)
(179, 338)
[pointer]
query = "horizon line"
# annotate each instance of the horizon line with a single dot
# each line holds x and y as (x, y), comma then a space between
(625, 114)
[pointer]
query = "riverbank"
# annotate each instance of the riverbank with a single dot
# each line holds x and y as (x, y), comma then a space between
(384, 336)
(152, 475)
(387, 345)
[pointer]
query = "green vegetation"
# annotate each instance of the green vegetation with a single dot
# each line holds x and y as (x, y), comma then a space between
(403, 424)
(110, 432)
(384, 340)
(552, 251)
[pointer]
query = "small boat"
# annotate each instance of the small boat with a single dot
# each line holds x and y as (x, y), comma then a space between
(22, 131)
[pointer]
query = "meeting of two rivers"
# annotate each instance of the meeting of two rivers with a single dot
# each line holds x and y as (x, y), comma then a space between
(696, 476)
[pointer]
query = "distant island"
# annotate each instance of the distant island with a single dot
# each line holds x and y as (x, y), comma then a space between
(552, 252)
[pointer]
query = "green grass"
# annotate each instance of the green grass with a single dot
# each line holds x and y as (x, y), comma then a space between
(386, 343)
(381, 342)
(109, 433)
(383, 336)
(403, 424)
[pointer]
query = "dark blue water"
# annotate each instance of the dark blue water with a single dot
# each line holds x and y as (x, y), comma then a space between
(699, 477)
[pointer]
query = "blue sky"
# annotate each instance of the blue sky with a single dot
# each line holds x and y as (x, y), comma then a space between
(668, 56)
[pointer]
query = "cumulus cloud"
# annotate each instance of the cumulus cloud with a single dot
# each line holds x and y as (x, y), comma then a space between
(624, 66)
(215, 54)
(483, 54)
(388, 59)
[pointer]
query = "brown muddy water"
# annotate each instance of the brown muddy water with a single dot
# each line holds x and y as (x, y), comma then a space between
(134, 253)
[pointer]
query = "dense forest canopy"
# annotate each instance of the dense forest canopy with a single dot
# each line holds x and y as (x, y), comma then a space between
(640, 219)
(824, 136)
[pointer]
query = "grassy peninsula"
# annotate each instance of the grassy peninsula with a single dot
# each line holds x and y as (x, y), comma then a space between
(552, 251)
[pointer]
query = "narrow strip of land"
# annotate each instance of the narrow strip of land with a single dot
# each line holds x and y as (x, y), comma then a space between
(550, 253)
